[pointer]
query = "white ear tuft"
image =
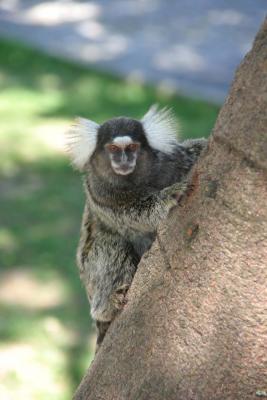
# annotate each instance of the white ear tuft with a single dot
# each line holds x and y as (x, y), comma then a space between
(161, 129)
(81, 141)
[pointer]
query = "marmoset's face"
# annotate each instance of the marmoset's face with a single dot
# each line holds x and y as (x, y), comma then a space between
(123, 154)
(122, 143)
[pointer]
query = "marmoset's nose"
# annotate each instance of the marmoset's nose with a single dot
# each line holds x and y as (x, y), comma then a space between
(123, 160)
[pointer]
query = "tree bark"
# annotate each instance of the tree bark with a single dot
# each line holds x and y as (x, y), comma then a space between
(195, 325)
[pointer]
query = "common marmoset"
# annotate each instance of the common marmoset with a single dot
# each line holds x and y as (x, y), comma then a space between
(132, 171)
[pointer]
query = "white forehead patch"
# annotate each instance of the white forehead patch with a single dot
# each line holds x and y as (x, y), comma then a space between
(161, 129)
(122, 140)
(81, 141)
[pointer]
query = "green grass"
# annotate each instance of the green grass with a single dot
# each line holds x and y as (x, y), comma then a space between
(45, 326)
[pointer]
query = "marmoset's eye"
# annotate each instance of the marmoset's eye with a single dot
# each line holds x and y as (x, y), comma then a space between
(133, 146)
(113, 148)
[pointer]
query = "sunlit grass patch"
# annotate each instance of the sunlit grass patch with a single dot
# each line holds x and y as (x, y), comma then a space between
(28, 373)
(19, 287)
(47, 337)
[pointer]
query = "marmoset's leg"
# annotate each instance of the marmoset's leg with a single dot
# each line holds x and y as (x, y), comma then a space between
(107, 265)
(111, 265)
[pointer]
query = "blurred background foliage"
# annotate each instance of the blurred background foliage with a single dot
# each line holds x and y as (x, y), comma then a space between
(47, 336)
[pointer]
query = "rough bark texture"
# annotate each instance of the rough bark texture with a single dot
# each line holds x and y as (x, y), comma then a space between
(195, 324)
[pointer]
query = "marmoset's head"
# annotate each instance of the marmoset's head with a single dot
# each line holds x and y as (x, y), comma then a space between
(122, 145)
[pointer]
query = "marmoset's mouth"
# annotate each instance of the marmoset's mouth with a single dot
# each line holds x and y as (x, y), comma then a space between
(123, 170)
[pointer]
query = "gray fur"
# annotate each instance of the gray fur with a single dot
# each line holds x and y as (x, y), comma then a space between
(122, 213)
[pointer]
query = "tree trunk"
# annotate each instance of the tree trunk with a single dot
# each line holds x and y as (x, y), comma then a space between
(195, 324)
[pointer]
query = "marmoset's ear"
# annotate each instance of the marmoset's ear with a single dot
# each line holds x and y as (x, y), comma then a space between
(81, 141)
(161, 129)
